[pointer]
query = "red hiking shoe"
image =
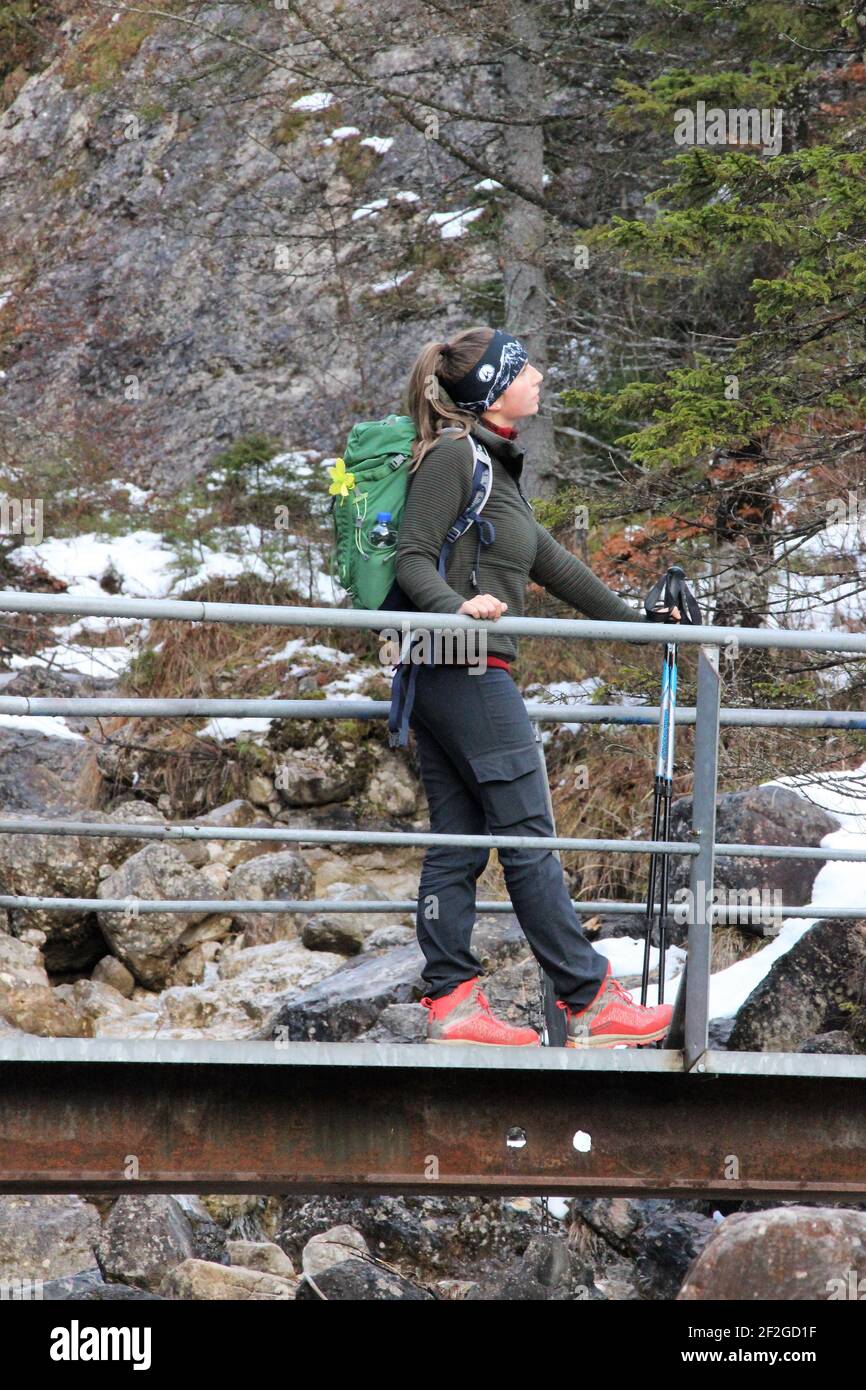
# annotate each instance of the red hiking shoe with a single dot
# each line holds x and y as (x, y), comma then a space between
(464, 1016)
(614, 1018)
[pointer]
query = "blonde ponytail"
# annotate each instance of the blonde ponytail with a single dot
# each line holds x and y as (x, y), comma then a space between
(427, 399)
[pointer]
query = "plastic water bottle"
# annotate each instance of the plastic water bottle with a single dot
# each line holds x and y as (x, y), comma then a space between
(383, 532)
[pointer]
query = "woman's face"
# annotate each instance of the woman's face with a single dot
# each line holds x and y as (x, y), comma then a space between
(521, 398)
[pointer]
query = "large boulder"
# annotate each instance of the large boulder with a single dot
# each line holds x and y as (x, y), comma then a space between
(60, 866)
(312, 777)
(27, 1000)
(359, 1281)
(669, 1245)
(252, 985)
(767, 815)
(237, 814)
(332, 1247)
(805, 991)
(90, 1287)
(789, 1253)
(350, 1000)
(200, 1279)
(149, 943)
(142, 1239)
(280, 875)
(262, 1255)
(39, 772)
(46, 1237)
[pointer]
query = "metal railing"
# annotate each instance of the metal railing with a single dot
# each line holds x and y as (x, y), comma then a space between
(689, 1029)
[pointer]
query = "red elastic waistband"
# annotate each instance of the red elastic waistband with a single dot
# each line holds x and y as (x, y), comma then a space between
(491, 661)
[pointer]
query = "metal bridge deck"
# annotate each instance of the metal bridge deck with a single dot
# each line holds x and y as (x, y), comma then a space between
(163, 1115)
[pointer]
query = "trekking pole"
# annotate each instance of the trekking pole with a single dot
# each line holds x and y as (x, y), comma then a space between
(553, 1025)
(661, 815)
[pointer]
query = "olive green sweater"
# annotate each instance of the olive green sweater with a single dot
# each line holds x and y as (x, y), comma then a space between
(438, 491)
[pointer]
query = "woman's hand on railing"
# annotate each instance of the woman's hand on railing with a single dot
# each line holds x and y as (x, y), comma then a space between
(484, 606)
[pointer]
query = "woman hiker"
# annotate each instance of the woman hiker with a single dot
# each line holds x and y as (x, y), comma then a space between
(479, 762)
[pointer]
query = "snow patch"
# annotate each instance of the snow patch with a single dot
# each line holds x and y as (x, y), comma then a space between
(454, 224)
(380, 143)
(314, 101)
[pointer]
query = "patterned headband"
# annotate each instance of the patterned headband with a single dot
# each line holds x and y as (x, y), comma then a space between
(492, 374)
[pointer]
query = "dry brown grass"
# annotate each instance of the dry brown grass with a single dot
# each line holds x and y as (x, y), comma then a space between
(196, 660)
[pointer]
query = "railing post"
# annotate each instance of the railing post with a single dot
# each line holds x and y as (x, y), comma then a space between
(689, 1024)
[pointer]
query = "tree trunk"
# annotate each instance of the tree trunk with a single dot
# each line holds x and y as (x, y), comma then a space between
(523, 241)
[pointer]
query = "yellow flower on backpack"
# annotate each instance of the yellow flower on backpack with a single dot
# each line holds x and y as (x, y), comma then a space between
(342, 480)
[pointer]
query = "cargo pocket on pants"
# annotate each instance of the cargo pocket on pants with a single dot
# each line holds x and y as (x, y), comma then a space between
(511, 782)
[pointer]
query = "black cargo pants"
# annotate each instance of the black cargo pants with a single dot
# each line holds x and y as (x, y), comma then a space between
(481, 772)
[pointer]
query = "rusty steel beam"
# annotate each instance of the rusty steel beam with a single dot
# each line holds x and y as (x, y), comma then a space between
(99, 1115)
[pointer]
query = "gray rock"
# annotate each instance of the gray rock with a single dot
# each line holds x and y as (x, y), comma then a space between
(837, 1042)
(46, 1237)
(239, 814)
(132, 810)
(111, 971)
(283, 874)
(334, 931)
(759, 816)
(263, 1255)
(804, 991)
(622, 1221)
(60, 866)
(352, 998)
(547, 1271)
(513, 991)
(208, 1237)
(669, 1245)
(383, 938)
(304, 777)
(399, 1023)
(149, 943)
(788, 1253)
(357, 1281)
(719, 1031)
(143, 1238)
(332, 1247)
(90, 1287)
(393, 788)
(498, 939)
(38, 773)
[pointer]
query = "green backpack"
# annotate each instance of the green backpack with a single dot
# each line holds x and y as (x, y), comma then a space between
(370, 480)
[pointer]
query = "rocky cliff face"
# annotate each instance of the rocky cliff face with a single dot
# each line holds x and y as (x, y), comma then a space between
(201, 246)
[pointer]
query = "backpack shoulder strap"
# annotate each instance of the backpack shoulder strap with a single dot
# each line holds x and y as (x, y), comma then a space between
(482, 484)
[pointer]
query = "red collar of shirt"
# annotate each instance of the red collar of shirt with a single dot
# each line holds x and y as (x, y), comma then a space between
(509, 433)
